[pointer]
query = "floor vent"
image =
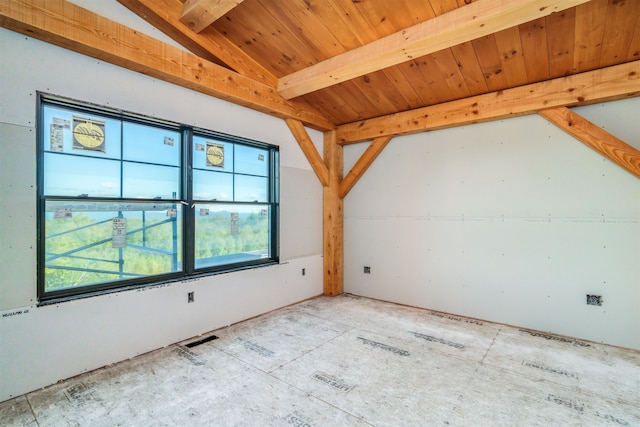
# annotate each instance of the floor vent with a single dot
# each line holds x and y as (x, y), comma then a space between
(202, 341)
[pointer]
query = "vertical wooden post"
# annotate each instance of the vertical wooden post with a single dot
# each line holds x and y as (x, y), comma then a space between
(333, 218)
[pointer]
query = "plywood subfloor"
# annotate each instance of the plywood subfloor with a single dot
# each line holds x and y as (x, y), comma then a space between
(350, 361)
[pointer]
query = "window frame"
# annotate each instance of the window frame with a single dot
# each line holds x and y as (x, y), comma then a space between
(186, 200)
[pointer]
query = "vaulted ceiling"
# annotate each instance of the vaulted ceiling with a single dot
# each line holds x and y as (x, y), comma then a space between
(367, 68)
(352, 59)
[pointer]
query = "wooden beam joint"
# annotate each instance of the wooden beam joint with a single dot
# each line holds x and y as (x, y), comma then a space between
(199, 14)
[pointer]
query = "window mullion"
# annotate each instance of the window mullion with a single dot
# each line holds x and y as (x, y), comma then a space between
(188, 244)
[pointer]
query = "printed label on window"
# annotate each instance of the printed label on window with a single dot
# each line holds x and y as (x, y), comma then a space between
(63, 213)
(56, 138)
(63, 123)
(235, 219)
(119, 239)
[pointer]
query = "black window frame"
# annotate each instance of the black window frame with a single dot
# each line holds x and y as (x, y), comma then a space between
(186, 200)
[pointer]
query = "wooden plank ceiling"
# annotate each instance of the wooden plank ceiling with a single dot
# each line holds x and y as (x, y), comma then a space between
(271, 40)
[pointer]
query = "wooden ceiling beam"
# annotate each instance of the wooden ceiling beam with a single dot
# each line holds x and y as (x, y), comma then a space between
(616, 150)
(209, 44)
(606, 84)
(460, 25)
(64, 24)
(199, 14)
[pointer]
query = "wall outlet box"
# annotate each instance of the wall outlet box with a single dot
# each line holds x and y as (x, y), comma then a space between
(594, 299)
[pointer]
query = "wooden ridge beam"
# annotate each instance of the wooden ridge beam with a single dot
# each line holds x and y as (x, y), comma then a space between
(606, 84)
(315, 160)
(363, 163)
(460, 25)
(209, 44)
(199, 14)
(616, 150)
(64, 24)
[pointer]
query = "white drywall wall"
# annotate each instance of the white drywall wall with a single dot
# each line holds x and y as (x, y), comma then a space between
(41, 345)
(512, 221)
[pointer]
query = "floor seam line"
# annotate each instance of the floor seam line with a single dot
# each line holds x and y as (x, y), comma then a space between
(311, 350)
(491, 345)
(32, 411)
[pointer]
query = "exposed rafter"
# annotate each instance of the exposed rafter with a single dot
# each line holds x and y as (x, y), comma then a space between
(460, 25)
(64, 24)
(199, 14)
(208, 44)
(616, 150)
(607, 84)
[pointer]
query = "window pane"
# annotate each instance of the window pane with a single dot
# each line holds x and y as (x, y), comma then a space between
(151, 145)
(150, 181)
(251, 189)
(74, 176)
(209, 186)
(252, 161)
(72, 132)
(229, 234)
(212, 154)
(85, 245)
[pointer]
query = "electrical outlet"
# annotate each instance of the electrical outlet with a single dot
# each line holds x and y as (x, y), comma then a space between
(190, 297)
(594, 299)
(367, 269)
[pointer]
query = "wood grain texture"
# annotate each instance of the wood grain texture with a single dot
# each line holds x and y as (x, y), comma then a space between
(616, 150)
(333, 219)
(304, 141)
(589, 28)
(533, 37)
(360, 167)
(64, 24)
(199, 14)
(457, 26)
(561, 42)
(607, 84)
(208, 44)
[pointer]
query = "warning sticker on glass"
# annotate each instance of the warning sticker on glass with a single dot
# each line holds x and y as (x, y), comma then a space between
(168, 141)
(88, 135)
(172, 212)
(215, 155)
(119, 239)
(204, 212)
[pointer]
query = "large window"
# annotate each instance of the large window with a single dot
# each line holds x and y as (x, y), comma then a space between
(126, 200)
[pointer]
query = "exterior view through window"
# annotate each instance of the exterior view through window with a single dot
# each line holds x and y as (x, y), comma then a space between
(126, 200)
